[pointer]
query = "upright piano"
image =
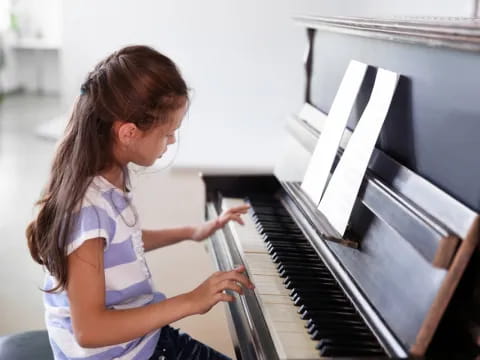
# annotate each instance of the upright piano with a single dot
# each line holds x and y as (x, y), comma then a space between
(403, 281)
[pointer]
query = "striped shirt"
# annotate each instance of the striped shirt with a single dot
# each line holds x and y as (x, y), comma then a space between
(106, 212)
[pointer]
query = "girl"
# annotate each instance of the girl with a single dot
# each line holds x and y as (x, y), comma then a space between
(99, 299)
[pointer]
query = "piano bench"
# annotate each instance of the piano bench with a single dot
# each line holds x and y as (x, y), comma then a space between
(25, 346)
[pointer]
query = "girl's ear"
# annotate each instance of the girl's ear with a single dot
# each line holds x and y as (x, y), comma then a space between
(126, 132)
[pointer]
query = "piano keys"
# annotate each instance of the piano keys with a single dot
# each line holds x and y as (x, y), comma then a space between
(287, 271)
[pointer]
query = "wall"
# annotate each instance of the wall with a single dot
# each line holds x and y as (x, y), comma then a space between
(243, 60)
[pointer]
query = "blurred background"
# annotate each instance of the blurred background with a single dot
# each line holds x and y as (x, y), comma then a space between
(243, 61)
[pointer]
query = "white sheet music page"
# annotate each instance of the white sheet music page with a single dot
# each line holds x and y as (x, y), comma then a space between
(339, 198)
(321, 161)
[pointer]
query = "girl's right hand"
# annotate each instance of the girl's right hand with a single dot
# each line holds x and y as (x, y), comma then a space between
(210, 292)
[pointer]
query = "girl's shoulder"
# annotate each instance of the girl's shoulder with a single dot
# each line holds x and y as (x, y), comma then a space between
(95, 194)
(94, 218)
(103, 194)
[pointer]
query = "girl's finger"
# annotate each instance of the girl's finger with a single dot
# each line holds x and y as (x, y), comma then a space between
(239, 220)
(235, 275)
(241, 207)
(224, 297)
(238, 209)
(239, 268)
(241, 211)
(229, 285)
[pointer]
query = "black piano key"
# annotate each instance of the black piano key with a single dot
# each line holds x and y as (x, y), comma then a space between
(295, 271)
(310, 267)
(319, 295)
(319, 323)
(305, 264)
(282, 229)
(332, 327)
(286, 241)
(312, 293)
(343, 318)
(272, 250)
(290, 247)
(299, 285)
(271, 219)
(326, 306)
(298, 254)
(323, 288)
(320, 276)
(297, 258)
(348, 351)
(284, 225)
(323, 302)
(317, 334)
(294, 260)
(338, 332)
(348, 342)
(292, 240)
(269, 211)
(280, 235)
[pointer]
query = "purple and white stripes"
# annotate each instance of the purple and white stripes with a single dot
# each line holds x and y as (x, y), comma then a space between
(128, 281)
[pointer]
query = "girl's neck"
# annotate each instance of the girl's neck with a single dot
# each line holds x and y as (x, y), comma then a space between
(115, 175)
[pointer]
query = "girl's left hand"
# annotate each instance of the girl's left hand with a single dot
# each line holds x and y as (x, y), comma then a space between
(206, 229)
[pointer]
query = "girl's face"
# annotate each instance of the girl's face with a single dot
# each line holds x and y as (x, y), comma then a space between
(151, 144)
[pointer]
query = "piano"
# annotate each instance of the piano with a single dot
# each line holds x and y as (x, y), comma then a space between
(403, 281)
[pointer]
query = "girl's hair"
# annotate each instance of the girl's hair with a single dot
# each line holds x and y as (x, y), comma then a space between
(135, 84)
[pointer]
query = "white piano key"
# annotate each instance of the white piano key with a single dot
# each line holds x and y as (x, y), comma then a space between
(283, 312)
(261, 264)
(296, 326)
(269, 285)
(276, 299)
(250, 239)
(297, 346)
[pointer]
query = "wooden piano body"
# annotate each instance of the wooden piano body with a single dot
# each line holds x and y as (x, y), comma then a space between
(413, 277)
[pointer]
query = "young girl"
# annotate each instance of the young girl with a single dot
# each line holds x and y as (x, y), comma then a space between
(99, 299)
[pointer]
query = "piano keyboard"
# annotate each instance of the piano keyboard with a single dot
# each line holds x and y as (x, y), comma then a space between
(305, 309)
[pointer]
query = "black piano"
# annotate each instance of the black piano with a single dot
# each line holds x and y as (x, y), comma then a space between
(403, 280)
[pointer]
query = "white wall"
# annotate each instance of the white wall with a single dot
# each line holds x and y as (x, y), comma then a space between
(243, 60)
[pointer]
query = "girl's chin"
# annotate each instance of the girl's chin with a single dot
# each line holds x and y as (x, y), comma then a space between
(145, 163)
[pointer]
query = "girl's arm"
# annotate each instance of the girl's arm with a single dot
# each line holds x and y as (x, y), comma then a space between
(94, 325)
(154, 239)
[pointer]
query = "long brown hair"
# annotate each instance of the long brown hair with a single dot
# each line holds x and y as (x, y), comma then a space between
(135, 84)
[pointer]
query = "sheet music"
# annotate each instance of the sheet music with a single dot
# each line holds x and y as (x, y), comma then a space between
(339, 198)
(318, 170)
